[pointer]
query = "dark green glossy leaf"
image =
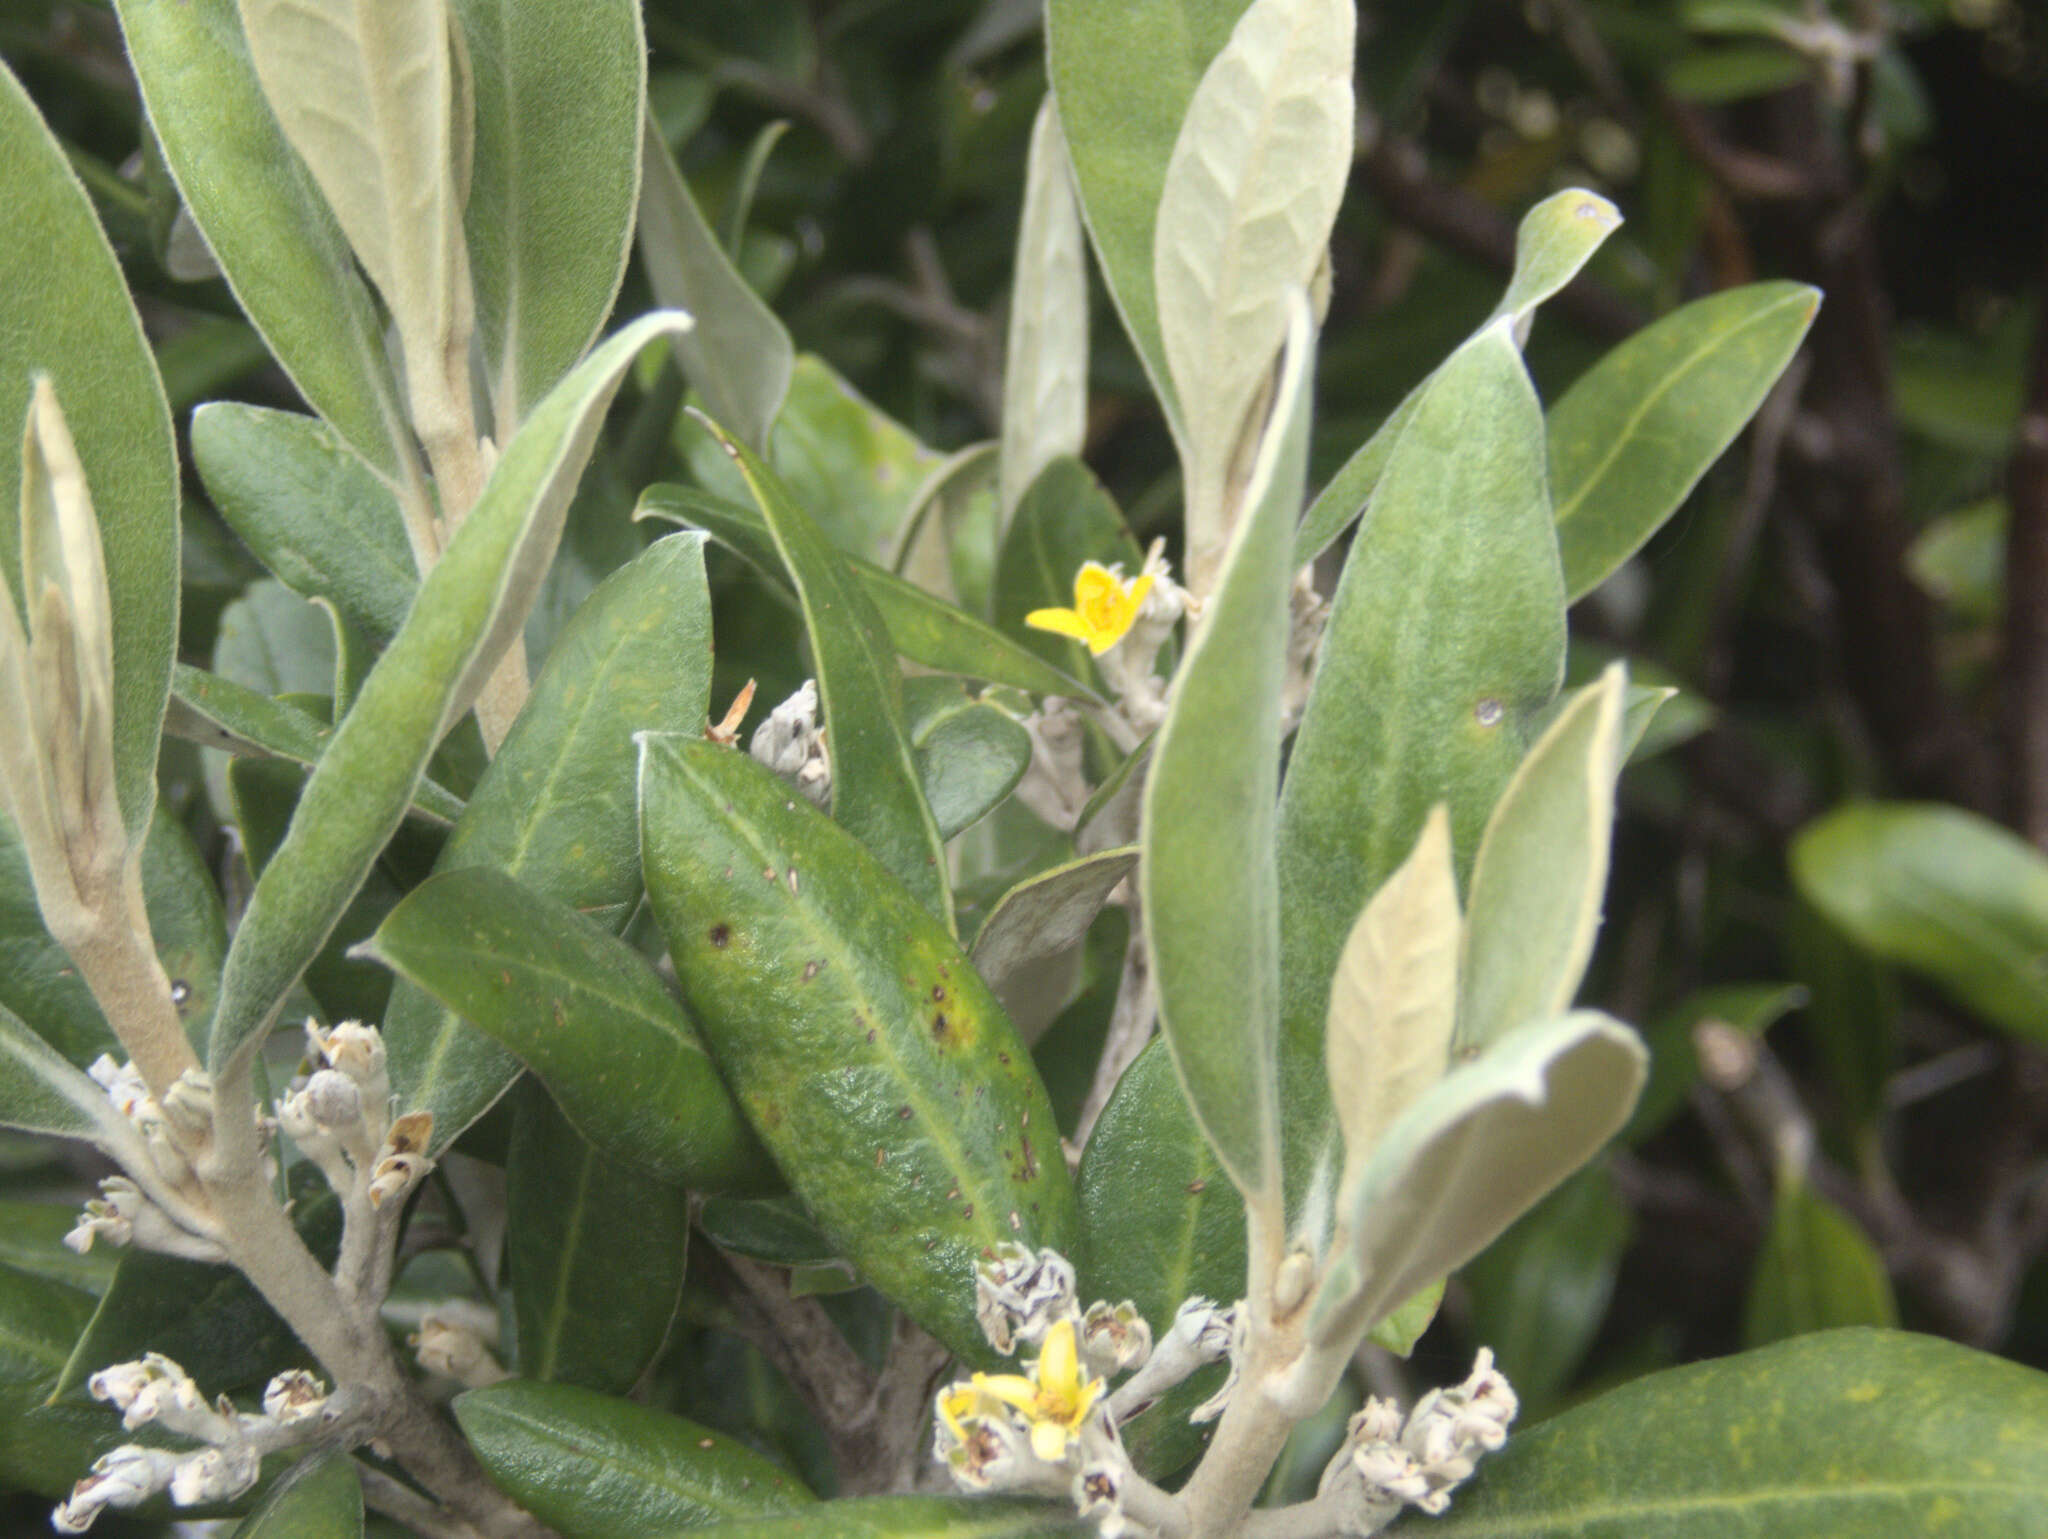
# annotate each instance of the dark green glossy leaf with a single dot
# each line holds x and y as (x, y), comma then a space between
(1634, 435)
(1842, 1435)
(320, 1499)
(1445, 642)
(970, 753)
(1817, 1271)
(44, 1447)
(32, 1241)
(559, 86)
(922, 627)
(868, 1054)
(585, 1011)
(876, 794)
(773, 1229)
(470, 606)
(592, 1466)
(1942, 892)
(596, 1250)
(308, 508)
(69, 316)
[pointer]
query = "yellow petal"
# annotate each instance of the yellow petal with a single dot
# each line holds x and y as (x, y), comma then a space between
(1061, 622)
(1092, 582)
(1058, 1366)
(1010, 1388)
(1049, 1441)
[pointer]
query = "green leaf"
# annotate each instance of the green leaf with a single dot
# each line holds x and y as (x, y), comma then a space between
(557, 807)
(1835, 1436)
(915, 1517)
(1121, 125)
(970, 753)
(876, 794)
(1960, 559)
(1161, 1224)
(1539, 1293)
(1636, 432)
(596, 1250)
(220, 713)
(593, 1466)
(922, 627)
(273, 641)
(559, 92)
(1554, 240)
(41, 1093)
(1394, 1000)
(1446, 639)
(1045, 361)
(43, 1447)
(266, 223)
(470, 606)
(1541, 871)
(69, 317)
(740, 358)
(1751, 1008)
(1401, 1329)
(32, 1241)
(1245, 212)
(1817, 1271)
(868, 1054)
(585, 1011)
(321, 1498)
(308, 509)
(1469, 1158)
(772, 1229)
(1207, 884)
(1942, 892)
(1029, 948)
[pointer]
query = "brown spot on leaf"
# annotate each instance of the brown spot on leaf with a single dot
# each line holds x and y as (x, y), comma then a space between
(903, 1114)
(968, 1211)
(881, 1156)
(1196, 1188)
(721, 935)
(939, 1027)
(938, 991)
(811, 970)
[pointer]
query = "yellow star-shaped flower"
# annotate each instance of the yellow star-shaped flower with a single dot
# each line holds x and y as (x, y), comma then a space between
(1106, 603)
(1055, 1399)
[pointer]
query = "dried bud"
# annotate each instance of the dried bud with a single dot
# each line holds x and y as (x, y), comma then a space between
(293, 1396)
(791, 744)
(110, 1216)
(1019, 1293)
(451, 1341)
(1114, 1337)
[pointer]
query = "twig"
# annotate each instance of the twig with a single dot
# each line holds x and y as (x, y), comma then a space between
(1130, 1028)
(404, 1505)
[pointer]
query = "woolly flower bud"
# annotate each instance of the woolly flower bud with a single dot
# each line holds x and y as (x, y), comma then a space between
(293, 1396)
(357, 1051)
(214, 1475)
(122, 1082)
(146, 1390)
(333, 1100)
(403, 1160)
(1114, 1337)
(1019, 1293)
(126, 1477)
(111, 1216)
(452, 1341)
(790, 743)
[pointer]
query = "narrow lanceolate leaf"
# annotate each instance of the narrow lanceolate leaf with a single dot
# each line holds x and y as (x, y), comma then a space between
(1394, 1001)
(1206, 879)
(1445, 640)
(1161, 1223)
(596, 1250)
(1555, 239)
(1045, 362)
(1040, 922)
(365, 93)
(42, 1093)
(1942, 892)
(69, 318)
(740, 358)
(876, 794)
(308, 510)
(1244, 220)
(559, 89)
(1636, 432)
(46, 1446)
(586, 1012)
(320, 1498)
(470, 607)
(1469, 1158)
(265, 221)
(1542, 870)
(1842, 1435)
(915, 1517)
(924, 628)
(871, 1059)
(1121, 125)
(557, 808)
(1816, 1271)
(593, 1466)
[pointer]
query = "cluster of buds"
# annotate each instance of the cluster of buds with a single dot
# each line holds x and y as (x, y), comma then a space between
(1388, 1462)
(791, 743)
(338, 1113)
(156, 1390)
(1051, 1430)
(159, 1205)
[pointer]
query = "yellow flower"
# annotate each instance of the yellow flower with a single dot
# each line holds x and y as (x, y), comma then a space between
(1105, 605)
(1055, 1399)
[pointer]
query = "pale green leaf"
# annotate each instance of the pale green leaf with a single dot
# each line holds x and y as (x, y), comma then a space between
(1045, 364)
(1555, 239)
(1542, 870)
(1244, 219)
(1206, 880)
(42, 1093)
(1469, 1158)
(1043, 920)
(470, 607)
(739, 357)
(1394, 1000)
(69, 317)
(559, 88)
